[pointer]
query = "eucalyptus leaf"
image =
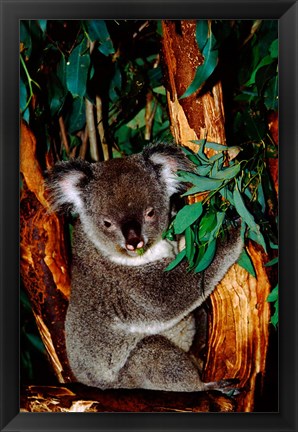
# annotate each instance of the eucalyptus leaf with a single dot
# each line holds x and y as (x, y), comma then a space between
(56, 94)
(227, 195)
(36, 342)
(271, 94)
(189, 245)
(258, 238)
(77, 69)
(25, 37)
(272, 262)
(116, 84)
(245, 262)
(180, 256)
(76, 117)
(203, 71)
(203, 170)
(207, 225)
(43, 24)
(273, 296)
(265, 61)
(202, 183)
(274, 49)
(227, 173)
(187, 216)
(243, 212)
(207, 258)
(264, 74)
(202, 33)
(97, 31)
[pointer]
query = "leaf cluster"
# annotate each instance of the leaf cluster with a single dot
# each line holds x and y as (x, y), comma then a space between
(113, 65)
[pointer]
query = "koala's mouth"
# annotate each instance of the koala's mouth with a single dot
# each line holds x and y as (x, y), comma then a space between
(136, 252)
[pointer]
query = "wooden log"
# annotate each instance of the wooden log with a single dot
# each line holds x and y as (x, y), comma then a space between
(79, 398)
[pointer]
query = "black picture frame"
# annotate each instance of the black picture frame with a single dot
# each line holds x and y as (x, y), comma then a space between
(11, 12)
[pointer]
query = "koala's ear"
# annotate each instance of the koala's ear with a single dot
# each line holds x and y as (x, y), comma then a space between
(65, 182)
(167, 159)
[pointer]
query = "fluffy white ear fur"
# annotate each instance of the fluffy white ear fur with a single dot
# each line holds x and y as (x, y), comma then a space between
(168, 171)
(65, 191)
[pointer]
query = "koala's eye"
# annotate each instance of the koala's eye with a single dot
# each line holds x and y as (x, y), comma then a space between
(150, 213)
(107, 223)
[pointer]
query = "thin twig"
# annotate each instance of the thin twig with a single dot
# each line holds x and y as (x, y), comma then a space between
(91, 130)
(100, 128)
(83, 149)
(64, 135)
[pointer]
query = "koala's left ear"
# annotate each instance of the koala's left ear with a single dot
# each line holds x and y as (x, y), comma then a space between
(167, 159)
(65, 182)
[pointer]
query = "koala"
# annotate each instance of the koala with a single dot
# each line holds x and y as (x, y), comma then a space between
(129, 323)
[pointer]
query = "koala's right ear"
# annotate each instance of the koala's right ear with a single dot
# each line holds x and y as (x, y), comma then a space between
(65, 182)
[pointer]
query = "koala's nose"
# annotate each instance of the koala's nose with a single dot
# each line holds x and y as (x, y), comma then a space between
(132, 234)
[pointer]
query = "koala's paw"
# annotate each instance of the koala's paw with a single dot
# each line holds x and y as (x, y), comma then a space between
(225, 386)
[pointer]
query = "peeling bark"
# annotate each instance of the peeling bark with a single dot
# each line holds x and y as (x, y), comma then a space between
(44, 262)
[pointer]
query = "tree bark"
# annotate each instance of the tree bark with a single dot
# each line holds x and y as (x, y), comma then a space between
(239, 318)
(44, 261)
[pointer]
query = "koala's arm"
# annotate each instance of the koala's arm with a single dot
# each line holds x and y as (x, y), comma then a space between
(156, 300)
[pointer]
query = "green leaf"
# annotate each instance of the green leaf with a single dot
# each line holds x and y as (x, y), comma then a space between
(274, 318)
(227, 194)
(258, 238)
(56, 94)
(227, 173)
(203, 71)
(77, 70)
(97, 30)
(36, 342)
(138, 121)
(207, 224)
(272, 262)
(202, 183)
(187, 216)
(265, 61)
(76, 117)
(263, 75)
(202, 33)
(203, 170)
(25, 37)
(160, 90)
(61, 70)
(207, 258)
(116, 83)
(43, 24)
(274, 49)
(245, 262)
(176, 261)
(273, 296)
(243, 212)
(189, 245)
(271, 94)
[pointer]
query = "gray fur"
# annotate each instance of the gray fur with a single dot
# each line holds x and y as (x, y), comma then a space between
(129, 323)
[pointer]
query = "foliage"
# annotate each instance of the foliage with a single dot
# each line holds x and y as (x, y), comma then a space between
(114, 65)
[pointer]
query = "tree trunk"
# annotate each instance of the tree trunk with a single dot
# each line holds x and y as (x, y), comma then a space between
(239, 318)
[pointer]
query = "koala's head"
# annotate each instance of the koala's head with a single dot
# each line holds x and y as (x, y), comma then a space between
(123, 204)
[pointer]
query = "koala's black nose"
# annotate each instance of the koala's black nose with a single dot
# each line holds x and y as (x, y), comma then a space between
(132, 232)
